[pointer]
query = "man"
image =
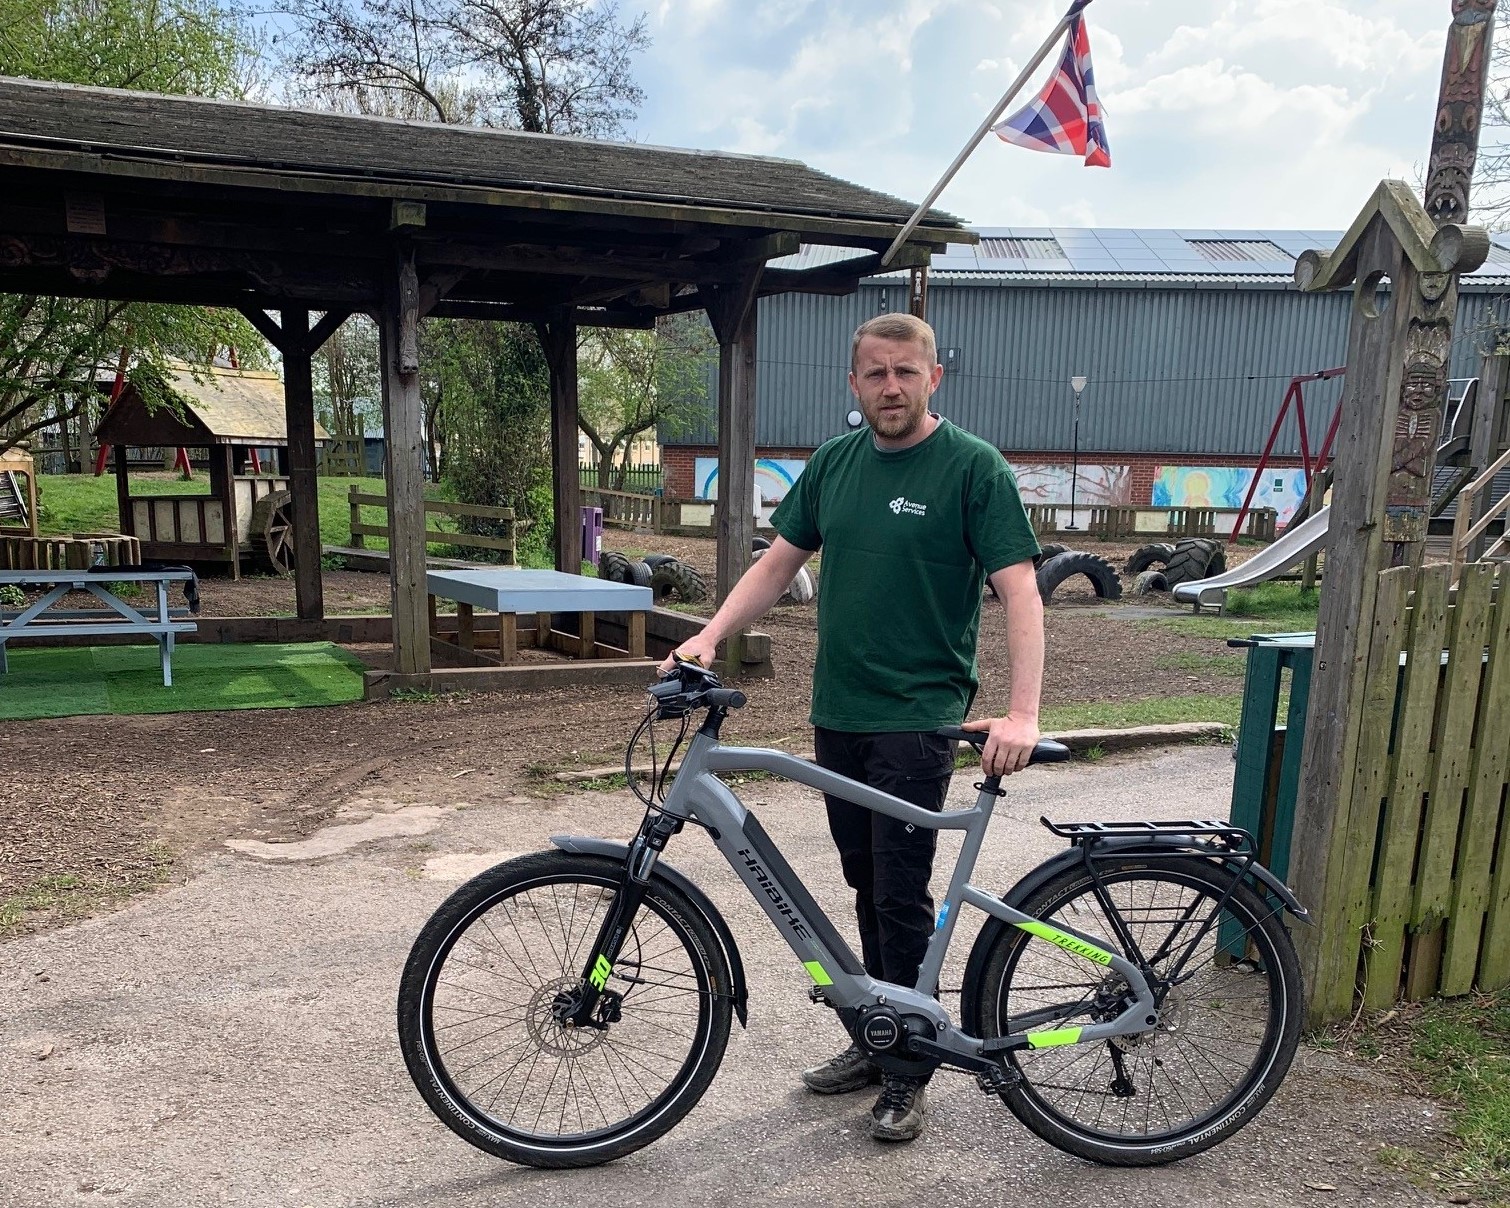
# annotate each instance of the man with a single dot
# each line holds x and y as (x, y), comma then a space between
(913, 515)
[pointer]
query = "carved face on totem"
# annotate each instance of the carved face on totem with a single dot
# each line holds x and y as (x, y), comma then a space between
(1421, 395)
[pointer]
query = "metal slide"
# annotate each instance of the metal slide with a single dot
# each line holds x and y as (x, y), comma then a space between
(1295, 546)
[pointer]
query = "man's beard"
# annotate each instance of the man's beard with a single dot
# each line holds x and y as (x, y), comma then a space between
(901, 425)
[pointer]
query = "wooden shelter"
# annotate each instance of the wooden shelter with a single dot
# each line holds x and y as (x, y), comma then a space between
(131, 195)
(248, 512)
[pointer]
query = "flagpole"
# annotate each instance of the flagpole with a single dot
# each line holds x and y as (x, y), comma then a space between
(985, 126)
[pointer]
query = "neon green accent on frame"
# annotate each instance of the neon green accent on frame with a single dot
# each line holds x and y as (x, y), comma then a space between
(1068, 942)
(1053, 1036)
(600, 971)
(815, 971)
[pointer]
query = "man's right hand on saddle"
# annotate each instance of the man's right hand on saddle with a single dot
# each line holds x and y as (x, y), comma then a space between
(697, 649)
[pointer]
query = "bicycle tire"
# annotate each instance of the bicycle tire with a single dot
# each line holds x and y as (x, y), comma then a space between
(1161, 1064)
(546, 908)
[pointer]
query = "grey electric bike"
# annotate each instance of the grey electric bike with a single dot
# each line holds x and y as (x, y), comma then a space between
(1134, 1000)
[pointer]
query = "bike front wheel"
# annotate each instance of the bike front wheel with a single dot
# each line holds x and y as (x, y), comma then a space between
(481, 1037)
(1230, 1009)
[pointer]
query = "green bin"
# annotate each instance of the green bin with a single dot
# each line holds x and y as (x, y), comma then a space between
(1267, 779)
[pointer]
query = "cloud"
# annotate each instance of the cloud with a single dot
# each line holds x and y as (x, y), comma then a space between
(1259, 113)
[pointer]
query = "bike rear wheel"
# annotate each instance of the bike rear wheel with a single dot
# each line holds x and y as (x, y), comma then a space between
(1228, 1029)
(482, 1041)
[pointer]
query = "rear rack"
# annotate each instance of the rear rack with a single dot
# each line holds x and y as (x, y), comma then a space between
(1232, 837)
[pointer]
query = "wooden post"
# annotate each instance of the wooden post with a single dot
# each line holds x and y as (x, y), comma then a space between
(226, 489)
(558, 337)
(299, 418)
(1397, 364)
(122, 494)
(732, 311)
(403, 425)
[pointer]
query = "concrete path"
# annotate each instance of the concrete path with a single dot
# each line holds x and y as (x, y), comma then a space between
(231, 1041)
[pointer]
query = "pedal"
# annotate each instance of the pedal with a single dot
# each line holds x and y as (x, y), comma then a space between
(815, 995)
(997, 1080)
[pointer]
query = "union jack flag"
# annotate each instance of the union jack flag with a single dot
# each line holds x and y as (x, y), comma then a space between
(1065, 117)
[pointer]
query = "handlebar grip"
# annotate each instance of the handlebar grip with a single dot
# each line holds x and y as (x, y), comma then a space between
(725, 698)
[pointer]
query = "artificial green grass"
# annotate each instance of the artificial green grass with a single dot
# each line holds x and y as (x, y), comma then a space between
(1155, 711)
(207, 677)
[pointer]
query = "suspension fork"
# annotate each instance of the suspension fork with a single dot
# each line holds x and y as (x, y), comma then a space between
(638, 866)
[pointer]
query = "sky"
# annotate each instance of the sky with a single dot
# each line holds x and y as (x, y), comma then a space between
(1220, 113)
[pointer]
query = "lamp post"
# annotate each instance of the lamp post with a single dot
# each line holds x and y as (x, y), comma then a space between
(1077, 384)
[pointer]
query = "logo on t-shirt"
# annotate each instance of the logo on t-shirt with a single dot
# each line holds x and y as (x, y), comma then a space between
(902, 504)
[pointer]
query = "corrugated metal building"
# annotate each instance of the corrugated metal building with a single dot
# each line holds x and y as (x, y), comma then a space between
(1188, 339)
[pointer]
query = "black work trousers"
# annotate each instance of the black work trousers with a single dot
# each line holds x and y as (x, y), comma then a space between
(886, 862)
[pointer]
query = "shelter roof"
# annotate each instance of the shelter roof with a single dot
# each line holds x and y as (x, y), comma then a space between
(140, 196)
(220, 407)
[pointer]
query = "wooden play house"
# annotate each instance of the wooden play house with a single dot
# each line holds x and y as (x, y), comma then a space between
(247, 515)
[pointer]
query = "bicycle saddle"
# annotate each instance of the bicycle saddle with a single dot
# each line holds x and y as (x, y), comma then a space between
(1046, 751)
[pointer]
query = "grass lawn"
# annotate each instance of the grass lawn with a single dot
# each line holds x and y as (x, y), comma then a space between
(1264, 608)
(1118, 714)
(1458, 1051)
(73, 680)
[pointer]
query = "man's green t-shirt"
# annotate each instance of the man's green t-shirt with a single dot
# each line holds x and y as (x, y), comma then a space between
(908, 537)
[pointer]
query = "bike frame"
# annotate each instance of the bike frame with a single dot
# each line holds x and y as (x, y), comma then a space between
(697, 795)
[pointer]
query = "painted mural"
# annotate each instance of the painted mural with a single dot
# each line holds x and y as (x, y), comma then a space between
(1227, 486)
(1043, 483)
(774, 477)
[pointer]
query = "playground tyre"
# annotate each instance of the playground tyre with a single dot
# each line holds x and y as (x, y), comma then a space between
(1239, 986)
(759, 543)
(675, 581)
(1145, 557)
(640, 574)
(1097, 569)
(1194, 559)
(526, 928)
(1149, 581)
(1045, 552)
(799, 591)
(613, 566)
(654, 561)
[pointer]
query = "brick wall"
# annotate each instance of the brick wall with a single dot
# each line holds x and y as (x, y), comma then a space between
(678, 462)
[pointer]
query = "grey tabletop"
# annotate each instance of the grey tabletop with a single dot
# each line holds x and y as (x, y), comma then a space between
(514, 590)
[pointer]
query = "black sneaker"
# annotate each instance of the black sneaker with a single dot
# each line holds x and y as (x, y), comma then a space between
(898, 1113)
(849, 1071)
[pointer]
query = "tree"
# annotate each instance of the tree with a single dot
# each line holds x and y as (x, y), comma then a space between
(346, 379)
(492, 433)
(546, 66)
(634, 381)
(52, 350)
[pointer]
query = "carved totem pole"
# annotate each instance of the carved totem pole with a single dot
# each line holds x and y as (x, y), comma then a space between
(1398, 347)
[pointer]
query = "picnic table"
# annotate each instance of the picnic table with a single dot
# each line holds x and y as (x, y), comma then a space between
(45, 619)
(512, 592)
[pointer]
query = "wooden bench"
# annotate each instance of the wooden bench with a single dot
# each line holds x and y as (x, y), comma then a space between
(43, 619)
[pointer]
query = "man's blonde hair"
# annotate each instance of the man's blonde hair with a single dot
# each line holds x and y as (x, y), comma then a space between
(906, 328)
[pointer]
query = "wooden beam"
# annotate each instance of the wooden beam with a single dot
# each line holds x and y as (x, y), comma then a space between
(328, 325)
(265, 324)
(122, 492)
(733, 315)
(403, 425)
(299, 415)
(1488, 422)
(558, 337)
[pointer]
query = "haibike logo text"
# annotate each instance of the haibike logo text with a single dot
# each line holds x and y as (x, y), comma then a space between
(774, 894)
(902, 504)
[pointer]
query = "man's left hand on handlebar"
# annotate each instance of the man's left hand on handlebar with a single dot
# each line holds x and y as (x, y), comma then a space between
(697, 649)
(1010, 744)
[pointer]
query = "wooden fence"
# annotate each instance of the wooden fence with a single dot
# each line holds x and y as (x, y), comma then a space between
(1130, 522)
(1466, 532)
(638, 478)
(625, 509)
(433, 536)
(1422, 905)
